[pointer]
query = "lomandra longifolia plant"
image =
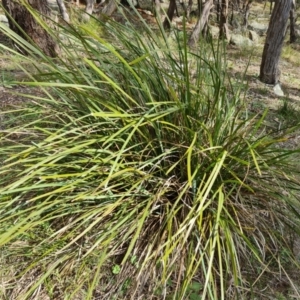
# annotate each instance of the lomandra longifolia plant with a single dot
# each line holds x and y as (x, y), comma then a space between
(134, 170)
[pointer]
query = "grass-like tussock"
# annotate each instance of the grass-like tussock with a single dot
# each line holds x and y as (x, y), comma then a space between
(138, 173)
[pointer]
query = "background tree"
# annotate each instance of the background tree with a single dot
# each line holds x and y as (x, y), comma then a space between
(110, 8)
(246, 9)
(63, 10)
(170, 14)
(202, 21)
(224, 31)
(22, 21)
(269, 71)
(189, 9)
(293, 18)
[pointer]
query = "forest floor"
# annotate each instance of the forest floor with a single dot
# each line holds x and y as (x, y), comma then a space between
(243, 66)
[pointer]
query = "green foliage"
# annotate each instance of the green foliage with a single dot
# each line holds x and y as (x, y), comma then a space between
(6, 79)
(141, 174)
(116, 269)
(289, 113)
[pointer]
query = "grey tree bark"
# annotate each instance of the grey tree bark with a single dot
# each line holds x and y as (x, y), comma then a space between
(63, 10)
(202, 21)
(247, 12)
(89, 6)
(88, 9)
(21, 20)
(269, 69)
(189, 9)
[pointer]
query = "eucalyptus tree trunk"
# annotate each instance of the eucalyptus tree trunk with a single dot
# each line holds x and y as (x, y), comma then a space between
(269, 70)
(189, 9)
(224, 31)
(202, 21)
(63, 10)
(88, 9)
(21, 21)
(218, 10)
(89, 6)
(170, 14)
(247, 12)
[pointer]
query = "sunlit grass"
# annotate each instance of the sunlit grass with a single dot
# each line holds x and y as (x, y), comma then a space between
(291, 55)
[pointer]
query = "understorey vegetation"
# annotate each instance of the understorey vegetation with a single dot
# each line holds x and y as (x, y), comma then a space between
(136, 171)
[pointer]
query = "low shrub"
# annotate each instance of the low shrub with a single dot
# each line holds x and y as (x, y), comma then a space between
(141, 175)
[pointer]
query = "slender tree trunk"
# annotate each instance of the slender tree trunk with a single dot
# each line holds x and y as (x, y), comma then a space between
(202, 20)
(247, 12)
(88, 9)
(218, 8)
(20, 16)
(232, 12)
(186, 8)
(182, 3)
(89, 6)
(63, 10)
(189, 9)
(170, 14)
(293, 17)
(269, 70)
(224, 31)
